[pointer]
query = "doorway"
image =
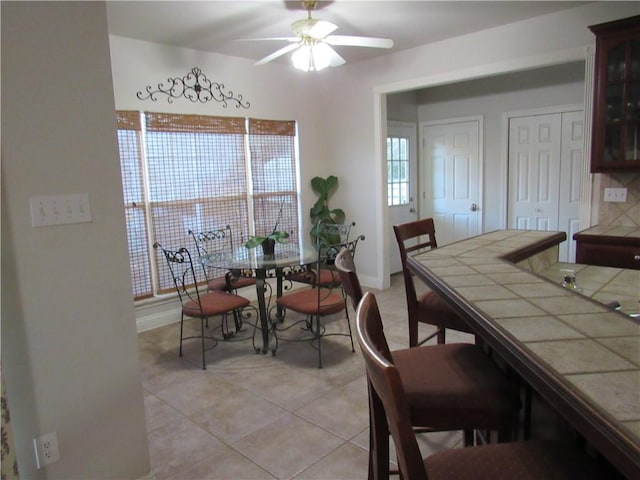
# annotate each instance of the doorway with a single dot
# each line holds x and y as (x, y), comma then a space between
(402, 174)
(559, 68)
(450, 181)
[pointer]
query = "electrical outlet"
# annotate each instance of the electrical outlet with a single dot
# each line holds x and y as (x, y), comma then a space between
(46, 448)
(615, 195)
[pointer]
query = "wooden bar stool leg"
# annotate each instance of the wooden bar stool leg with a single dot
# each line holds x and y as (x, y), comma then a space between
(378, 439)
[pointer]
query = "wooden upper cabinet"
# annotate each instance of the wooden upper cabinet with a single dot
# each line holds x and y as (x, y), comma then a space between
(616, 106)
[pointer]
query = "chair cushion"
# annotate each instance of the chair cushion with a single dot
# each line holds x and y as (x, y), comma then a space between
(220, 284)
(328, 278)
(214, 303)
(306, 302)
(454, 386)
(530, 460)
(434, 310)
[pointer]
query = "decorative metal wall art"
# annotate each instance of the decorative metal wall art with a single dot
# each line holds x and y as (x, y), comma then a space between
(194, 86)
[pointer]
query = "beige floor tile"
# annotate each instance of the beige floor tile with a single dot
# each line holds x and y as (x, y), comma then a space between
(343, 411)
(234, 415)
(159, 413)
(198, 393)
(282, 385)
(236, 419)
(225, 464)
(288, 446)
(347, 462)
(177, 445)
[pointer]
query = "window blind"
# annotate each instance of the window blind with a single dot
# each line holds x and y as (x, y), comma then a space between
(184, 172)
(135, 208)
(274, 175)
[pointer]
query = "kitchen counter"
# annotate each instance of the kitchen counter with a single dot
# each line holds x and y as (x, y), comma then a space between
(615, 232)
(576, 353)
(609, 246)
(603, 284)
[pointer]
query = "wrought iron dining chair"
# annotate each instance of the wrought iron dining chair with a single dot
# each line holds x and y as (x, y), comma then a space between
(450, 387)
(219, 241)
(390, 399)
(429, 308)
(201, 305)
(327, 233)
(318, 301)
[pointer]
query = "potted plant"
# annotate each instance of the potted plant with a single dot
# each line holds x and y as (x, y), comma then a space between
(268, 242)
(320, 212)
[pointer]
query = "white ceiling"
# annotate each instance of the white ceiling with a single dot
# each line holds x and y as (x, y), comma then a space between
(215, 26)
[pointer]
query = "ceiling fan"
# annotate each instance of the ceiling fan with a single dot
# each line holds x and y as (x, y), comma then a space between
(313, 43)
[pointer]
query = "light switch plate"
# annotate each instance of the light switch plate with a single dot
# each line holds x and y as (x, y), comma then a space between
(60, 209)
(615, 195)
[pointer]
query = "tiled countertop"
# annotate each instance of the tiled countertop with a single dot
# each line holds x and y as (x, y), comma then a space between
(612, 231)
(603, 284)
(581, 356)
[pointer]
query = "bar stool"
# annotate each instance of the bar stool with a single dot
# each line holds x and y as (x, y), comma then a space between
(448, 387)
(528, 460)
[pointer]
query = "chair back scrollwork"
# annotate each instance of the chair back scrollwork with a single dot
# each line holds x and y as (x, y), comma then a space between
(182, 272)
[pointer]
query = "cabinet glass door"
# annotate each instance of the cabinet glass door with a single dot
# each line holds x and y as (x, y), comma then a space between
(622, 98)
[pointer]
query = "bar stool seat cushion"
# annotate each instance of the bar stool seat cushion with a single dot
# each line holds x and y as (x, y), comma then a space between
(432, 306)
(454, 386)
(530, 460)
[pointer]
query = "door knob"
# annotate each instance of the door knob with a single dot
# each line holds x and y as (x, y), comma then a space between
(474, 207)
(412, 210)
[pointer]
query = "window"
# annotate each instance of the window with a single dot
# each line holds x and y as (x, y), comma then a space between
(182, 172)
(397, 171)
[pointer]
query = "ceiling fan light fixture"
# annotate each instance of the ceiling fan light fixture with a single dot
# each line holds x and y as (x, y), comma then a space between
(312, 57)
(313, 43)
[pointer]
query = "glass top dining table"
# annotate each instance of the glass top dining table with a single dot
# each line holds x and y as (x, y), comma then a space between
(288, 258)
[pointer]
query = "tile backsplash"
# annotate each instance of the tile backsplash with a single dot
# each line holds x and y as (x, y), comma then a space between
(610, 213)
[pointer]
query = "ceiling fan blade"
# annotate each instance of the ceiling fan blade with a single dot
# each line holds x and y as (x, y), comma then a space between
(321, 29)
(277, 53)
(310, 27)
(354, 41)
(281, 39)
(335, 60)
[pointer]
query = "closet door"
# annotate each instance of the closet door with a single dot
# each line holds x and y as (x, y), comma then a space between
(534, 172)
(545, 163)
(571, 161)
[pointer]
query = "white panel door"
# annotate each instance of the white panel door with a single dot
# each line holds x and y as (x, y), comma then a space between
(545, 164)
(402, 174)
(534, 172)
(571, 159)
(450, 179)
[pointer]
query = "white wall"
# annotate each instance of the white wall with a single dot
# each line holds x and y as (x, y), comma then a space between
(354, 99)
(492, 97)
(69, 346)
(274, 91)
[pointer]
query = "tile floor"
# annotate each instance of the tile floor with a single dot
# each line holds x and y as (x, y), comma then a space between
(254, 416)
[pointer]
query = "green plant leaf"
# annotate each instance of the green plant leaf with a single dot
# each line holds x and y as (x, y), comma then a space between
(253, 242)
(280, 237)
(317, 208)
(330, 183)
(338, 215)
(318, 185)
